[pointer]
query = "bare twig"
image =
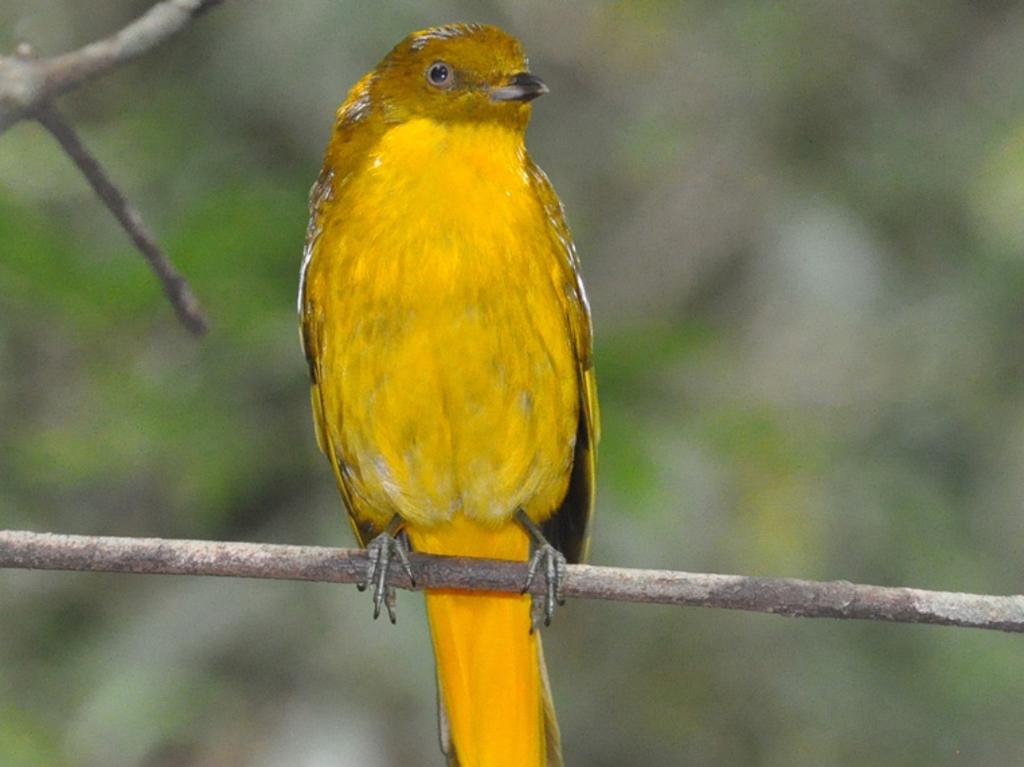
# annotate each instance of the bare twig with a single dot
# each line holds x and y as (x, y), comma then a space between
(26, 84)
(779, 596)
(175, 287)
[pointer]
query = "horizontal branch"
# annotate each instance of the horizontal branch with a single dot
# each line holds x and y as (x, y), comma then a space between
(26, 83)
(779, 596)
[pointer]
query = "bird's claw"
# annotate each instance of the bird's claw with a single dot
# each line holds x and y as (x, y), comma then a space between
(555, 570)
(382, 552)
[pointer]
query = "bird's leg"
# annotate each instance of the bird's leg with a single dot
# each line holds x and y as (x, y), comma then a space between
(555, 569)
(382, 552)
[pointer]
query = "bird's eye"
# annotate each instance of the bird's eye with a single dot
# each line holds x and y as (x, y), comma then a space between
(439, 75)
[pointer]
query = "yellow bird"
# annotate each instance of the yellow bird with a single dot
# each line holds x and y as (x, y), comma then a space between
(449, 343)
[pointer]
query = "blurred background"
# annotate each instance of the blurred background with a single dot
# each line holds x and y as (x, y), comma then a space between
(802, 227)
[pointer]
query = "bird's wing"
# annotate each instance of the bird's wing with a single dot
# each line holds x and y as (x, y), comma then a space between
(337, 168)
(567, 529)
(311, 332)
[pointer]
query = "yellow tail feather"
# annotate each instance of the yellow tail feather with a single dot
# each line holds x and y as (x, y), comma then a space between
(490, 667)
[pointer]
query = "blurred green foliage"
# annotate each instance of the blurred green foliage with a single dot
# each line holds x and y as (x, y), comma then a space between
(802, 229)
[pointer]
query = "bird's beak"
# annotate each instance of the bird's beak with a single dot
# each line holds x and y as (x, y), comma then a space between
(521, 87)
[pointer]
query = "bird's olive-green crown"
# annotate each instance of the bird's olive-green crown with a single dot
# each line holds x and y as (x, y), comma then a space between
(454, 72)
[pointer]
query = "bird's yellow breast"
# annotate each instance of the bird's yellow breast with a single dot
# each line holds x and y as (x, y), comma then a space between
(447, 370)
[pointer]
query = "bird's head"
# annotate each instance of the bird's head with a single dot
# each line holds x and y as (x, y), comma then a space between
(457, 72)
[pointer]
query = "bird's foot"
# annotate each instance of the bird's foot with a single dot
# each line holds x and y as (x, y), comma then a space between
(549, 560)
(383, 551)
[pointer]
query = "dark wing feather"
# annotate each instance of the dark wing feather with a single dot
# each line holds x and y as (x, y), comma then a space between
(567, 530)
